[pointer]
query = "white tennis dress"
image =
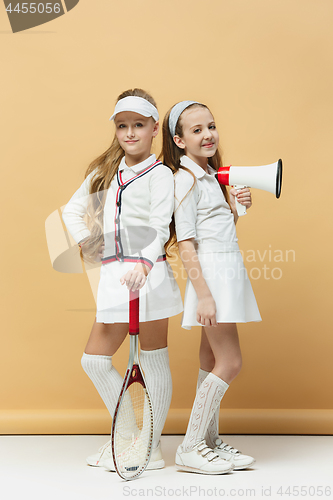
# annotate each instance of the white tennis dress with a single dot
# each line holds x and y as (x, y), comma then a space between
(203, 213)
(137, 213)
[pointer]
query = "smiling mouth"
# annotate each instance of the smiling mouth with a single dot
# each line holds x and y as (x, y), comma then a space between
(130, 142)
(208, 145)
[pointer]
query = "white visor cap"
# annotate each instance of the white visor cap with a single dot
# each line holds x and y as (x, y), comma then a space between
(136, 105)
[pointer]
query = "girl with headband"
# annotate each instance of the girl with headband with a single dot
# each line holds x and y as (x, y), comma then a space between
(121, 215)
(218, 292)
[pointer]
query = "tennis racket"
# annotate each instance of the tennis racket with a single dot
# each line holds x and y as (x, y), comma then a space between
(132, 426)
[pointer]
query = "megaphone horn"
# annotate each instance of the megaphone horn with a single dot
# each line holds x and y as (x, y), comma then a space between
(266, 177)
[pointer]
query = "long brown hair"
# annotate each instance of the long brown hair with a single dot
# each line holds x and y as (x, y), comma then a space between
(105, 168)
(172, 154)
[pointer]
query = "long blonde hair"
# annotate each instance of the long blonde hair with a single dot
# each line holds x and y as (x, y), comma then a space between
(171, 155)
(105, 168)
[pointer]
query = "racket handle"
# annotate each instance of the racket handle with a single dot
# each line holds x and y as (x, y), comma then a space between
(134, 312)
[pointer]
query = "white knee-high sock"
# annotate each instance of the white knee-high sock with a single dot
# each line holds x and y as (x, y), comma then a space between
(155, 365)
(207, 399)
(213, 428)
(105, 378)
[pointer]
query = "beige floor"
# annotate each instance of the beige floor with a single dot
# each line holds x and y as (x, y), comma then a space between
(53, 468)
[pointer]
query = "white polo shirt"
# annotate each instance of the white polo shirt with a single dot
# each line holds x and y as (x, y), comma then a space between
(137, 211)
(202, 212)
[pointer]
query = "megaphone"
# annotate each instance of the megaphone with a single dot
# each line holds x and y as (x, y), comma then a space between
(266, 177)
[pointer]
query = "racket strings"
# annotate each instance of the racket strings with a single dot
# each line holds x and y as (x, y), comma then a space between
(128, 415)
(133, 432)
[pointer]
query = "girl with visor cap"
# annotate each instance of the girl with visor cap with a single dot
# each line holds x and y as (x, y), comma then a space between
(121, 215)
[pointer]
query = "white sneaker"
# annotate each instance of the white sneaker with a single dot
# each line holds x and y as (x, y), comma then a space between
(156, 460)
(232, 455)
(103, 454)
(202, 460)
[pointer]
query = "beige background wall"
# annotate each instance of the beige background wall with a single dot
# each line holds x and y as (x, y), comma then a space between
(265, 69)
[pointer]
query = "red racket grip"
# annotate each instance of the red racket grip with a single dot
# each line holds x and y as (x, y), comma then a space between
(134, 312)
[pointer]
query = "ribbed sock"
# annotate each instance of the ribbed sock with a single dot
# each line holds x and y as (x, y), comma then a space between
(212, 432)
(207, 400)
(155, 365)
(105, 378)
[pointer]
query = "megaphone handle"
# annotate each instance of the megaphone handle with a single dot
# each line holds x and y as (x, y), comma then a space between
(241, 209)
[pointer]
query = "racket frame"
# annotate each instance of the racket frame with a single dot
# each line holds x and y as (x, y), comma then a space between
(133, 364)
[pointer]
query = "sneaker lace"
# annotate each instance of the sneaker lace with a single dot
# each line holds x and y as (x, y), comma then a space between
(207, 452)
(104, 447)
(226, 447)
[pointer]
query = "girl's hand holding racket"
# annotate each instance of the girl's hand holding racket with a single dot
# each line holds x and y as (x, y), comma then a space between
(243, 197)
(206, 311)
(135, 278)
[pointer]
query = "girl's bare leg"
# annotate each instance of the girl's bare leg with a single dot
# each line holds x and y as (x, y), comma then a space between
(224, 344)
(206, 356)
(207, 364)
(105, 339)
(220, 356)
(153, 334)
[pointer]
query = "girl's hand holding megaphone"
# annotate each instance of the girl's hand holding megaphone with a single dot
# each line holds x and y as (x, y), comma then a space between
(243, 196)
(266, 177)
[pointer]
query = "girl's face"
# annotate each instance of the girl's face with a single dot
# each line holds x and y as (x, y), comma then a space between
(135, 134)
(200, 138)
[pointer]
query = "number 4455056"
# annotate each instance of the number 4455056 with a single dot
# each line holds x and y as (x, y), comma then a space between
(308, 491)
(32, 8)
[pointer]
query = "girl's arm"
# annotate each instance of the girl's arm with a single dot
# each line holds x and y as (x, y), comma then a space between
(74, 212)
(206, 310)
(74, 218)
(186, 203)
(243, 197)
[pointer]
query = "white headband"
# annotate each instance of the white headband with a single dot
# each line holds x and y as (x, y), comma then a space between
(176, 112)
(137, 105)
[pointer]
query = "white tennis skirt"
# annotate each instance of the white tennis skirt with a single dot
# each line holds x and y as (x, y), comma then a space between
(159, 297)
(227, 279)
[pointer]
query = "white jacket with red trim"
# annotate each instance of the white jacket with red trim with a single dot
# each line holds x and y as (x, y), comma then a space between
(137, 211)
